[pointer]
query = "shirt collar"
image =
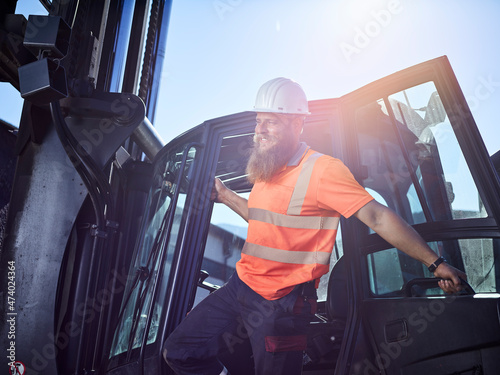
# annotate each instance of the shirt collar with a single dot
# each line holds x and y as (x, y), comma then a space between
(297, 157)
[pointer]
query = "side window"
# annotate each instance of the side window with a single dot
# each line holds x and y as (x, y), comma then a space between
(390, 269)
(412, 159)
(225, 240)
(387, 171)
(440, 167)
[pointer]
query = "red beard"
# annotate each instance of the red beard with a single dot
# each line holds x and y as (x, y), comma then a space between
(263, 163)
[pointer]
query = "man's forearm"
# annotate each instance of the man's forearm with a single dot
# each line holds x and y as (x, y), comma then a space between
(237, 203)
(392, 228)
(222, 194)
(401, 235)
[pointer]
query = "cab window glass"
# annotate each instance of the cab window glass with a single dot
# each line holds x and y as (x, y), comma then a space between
(441, 169)
(389, 270)
(154, 252)
(384, 163)
(411, 158)
(226, 236)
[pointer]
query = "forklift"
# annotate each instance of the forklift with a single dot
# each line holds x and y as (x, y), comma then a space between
(110, 236)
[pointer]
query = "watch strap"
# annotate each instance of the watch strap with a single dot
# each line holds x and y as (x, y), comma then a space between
(433, 266)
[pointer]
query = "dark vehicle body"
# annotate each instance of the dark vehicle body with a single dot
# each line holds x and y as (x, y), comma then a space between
(111, 237)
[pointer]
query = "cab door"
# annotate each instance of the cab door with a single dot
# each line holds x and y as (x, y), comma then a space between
(412, 142)
(137, 329)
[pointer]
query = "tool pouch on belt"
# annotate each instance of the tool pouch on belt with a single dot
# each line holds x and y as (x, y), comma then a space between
(307, 298)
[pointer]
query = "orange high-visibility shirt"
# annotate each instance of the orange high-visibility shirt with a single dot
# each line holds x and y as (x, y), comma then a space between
(293, 221)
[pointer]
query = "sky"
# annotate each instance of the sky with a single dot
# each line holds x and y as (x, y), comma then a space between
(219, 52)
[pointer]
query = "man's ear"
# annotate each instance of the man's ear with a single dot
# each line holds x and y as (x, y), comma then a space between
(298, 124)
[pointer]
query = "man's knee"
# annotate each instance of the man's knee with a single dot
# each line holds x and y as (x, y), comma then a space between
(174, 363)
(192, 365)
(164, 353)
(170, 352)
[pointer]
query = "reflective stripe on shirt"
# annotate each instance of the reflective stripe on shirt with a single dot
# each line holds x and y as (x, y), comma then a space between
(296, 222)
(286, 256)
(300, 189)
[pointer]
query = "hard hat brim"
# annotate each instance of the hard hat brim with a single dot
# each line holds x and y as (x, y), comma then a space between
(268, 110)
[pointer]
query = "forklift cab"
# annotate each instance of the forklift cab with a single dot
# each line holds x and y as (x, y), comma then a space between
(411, 141)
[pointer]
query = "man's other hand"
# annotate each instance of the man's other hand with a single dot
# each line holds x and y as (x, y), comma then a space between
(451, 278)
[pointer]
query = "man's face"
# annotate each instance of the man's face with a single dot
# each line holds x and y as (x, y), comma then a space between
(275, 141)
(270, 130)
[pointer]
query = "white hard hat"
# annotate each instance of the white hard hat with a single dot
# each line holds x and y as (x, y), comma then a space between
(281, 95)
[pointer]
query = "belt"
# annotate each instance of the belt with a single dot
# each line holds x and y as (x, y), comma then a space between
(308, 289)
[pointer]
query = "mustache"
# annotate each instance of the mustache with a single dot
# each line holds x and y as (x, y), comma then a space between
(258, 137)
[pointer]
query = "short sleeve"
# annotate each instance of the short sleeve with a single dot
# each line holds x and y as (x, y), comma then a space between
(338, 190)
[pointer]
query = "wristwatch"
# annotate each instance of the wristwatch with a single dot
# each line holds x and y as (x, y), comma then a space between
(435, 265)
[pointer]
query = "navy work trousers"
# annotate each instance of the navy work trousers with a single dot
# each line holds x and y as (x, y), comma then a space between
(231, 316)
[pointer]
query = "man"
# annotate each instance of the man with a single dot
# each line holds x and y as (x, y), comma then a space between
(293, 213)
